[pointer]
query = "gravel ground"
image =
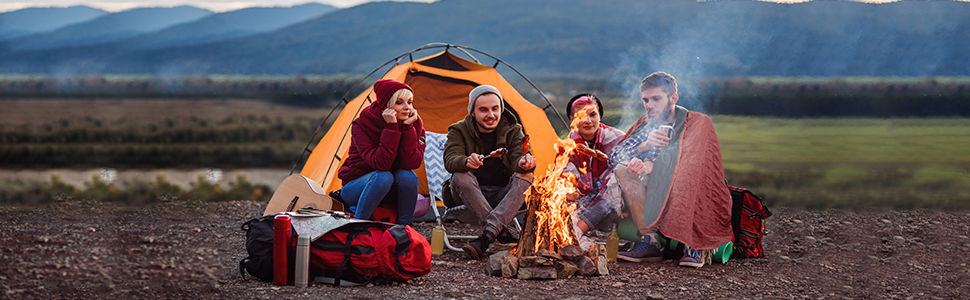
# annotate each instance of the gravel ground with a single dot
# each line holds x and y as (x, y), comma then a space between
(183, 251)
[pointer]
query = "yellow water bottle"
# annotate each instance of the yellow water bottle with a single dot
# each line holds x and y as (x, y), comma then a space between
(438, 239)
(612, 245)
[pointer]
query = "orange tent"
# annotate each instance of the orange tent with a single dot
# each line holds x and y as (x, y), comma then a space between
(441, 84)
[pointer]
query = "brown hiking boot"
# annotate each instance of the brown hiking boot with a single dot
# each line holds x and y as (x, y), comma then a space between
(506, 237)
(477, 247)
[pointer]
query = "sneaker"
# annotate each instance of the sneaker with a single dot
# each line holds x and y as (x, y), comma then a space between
(648, 249)
(692, 258)
(477, 247)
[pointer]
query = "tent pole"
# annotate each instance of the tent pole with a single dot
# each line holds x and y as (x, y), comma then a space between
(566, 125)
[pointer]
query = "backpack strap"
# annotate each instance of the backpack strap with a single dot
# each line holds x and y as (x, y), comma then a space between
(343, 264)
(242, 267)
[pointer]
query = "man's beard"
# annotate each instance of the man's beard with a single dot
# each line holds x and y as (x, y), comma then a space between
(481, 124)
(660, 118)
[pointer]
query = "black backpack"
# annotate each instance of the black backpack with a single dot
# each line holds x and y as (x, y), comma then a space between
(259, 244)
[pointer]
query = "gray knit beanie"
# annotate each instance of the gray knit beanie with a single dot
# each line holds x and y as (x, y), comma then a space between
(481, 90)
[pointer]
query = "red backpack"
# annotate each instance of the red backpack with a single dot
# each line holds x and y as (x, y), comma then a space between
(404, 254)
(369, 252)
(748, 216)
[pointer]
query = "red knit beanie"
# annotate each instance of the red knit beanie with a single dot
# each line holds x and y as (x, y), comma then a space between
(385, 88)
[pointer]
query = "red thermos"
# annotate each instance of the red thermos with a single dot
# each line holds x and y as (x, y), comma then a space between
(281, 247)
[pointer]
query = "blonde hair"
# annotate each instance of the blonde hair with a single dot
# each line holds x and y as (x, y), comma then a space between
(402, 93)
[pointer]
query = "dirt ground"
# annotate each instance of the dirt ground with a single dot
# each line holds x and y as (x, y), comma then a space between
(79, 251)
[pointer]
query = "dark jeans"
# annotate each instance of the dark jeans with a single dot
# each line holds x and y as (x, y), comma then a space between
(495, 207)
(399, 187)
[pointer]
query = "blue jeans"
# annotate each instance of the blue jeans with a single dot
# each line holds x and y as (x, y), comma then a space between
(399, 187)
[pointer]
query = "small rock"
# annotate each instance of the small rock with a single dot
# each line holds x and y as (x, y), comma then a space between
(899, 238)
(534, 261)
(571, 252)
(586, 266)
(785, 258)
(537, 273)
(846, 222)
(797, 221)
(455, 294)
(885, 221)
(494, 265)
(565, 268)
(963, 237)
(655, 296)
(510, 266)
(810, 239)
(548, 254)
(937, 223)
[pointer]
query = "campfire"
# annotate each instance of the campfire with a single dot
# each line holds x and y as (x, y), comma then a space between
(547, 248)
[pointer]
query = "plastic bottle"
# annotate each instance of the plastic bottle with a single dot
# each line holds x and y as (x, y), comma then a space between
(302, 261)
(612, 245)
(281, 246)
(437, 239)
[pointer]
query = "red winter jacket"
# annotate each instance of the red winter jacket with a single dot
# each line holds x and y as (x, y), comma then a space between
(378, 145)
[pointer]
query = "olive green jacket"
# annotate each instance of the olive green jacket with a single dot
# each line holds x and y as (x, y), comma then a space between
(463, 140)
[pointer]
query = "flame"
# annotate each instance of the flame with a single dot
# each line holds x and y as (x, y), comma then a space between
(553, 225)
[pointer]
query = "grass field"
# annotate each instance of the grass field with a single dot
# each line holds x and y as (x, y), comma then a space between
(853, 162)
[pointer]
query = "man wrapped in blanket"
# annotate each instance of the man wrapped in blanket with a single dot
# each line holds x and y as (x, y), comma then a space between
(672, 182)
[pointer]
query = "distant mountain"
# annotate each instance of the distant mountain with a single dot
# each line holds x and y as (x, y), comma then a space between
(111, 27)
(33, 20)
(228, 25)
(577, 38)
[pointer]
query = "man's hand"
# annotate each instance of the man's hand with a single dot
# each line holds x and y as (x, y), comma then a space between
(474, 161)
(412, 118)
(527, 162)
(639, 167)
(657, 138)
(390, 116)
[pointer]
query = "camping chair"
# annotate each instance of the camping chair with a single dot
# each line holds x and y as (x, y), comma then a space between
(434, 167)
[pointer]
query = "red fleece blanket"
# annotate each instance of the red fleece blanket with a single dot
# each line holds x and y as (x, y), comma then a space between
(698, 206)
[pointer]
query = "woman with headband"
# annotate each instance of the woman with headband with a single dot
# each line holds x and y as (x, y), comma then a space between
(585, 112)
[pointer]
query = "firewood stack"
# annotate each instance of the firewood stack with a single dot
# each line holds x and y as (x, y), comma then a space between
(549, 261)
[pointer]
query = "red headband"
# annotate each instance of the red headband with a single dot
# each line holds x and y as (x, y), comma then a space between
(582, 101)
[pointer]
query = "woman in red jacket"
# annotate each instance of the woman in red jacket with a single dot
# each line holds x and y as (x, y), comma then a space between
(387, 144)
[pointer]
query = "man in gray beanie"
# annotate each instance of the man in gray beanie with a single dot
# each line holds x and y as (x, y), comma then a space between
(493, 187)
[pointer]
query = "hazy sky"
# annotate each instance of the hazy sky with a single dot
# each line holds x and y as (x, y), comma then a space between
(227, 5)
(213, 5)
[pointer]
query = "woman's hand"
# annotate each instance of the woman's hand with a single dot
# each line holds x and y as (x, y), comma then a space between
(412, 118)
(390, 116)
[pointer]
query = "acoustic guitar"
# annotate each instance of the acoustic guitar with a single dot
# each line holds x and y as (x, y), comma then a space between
(296, 192)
